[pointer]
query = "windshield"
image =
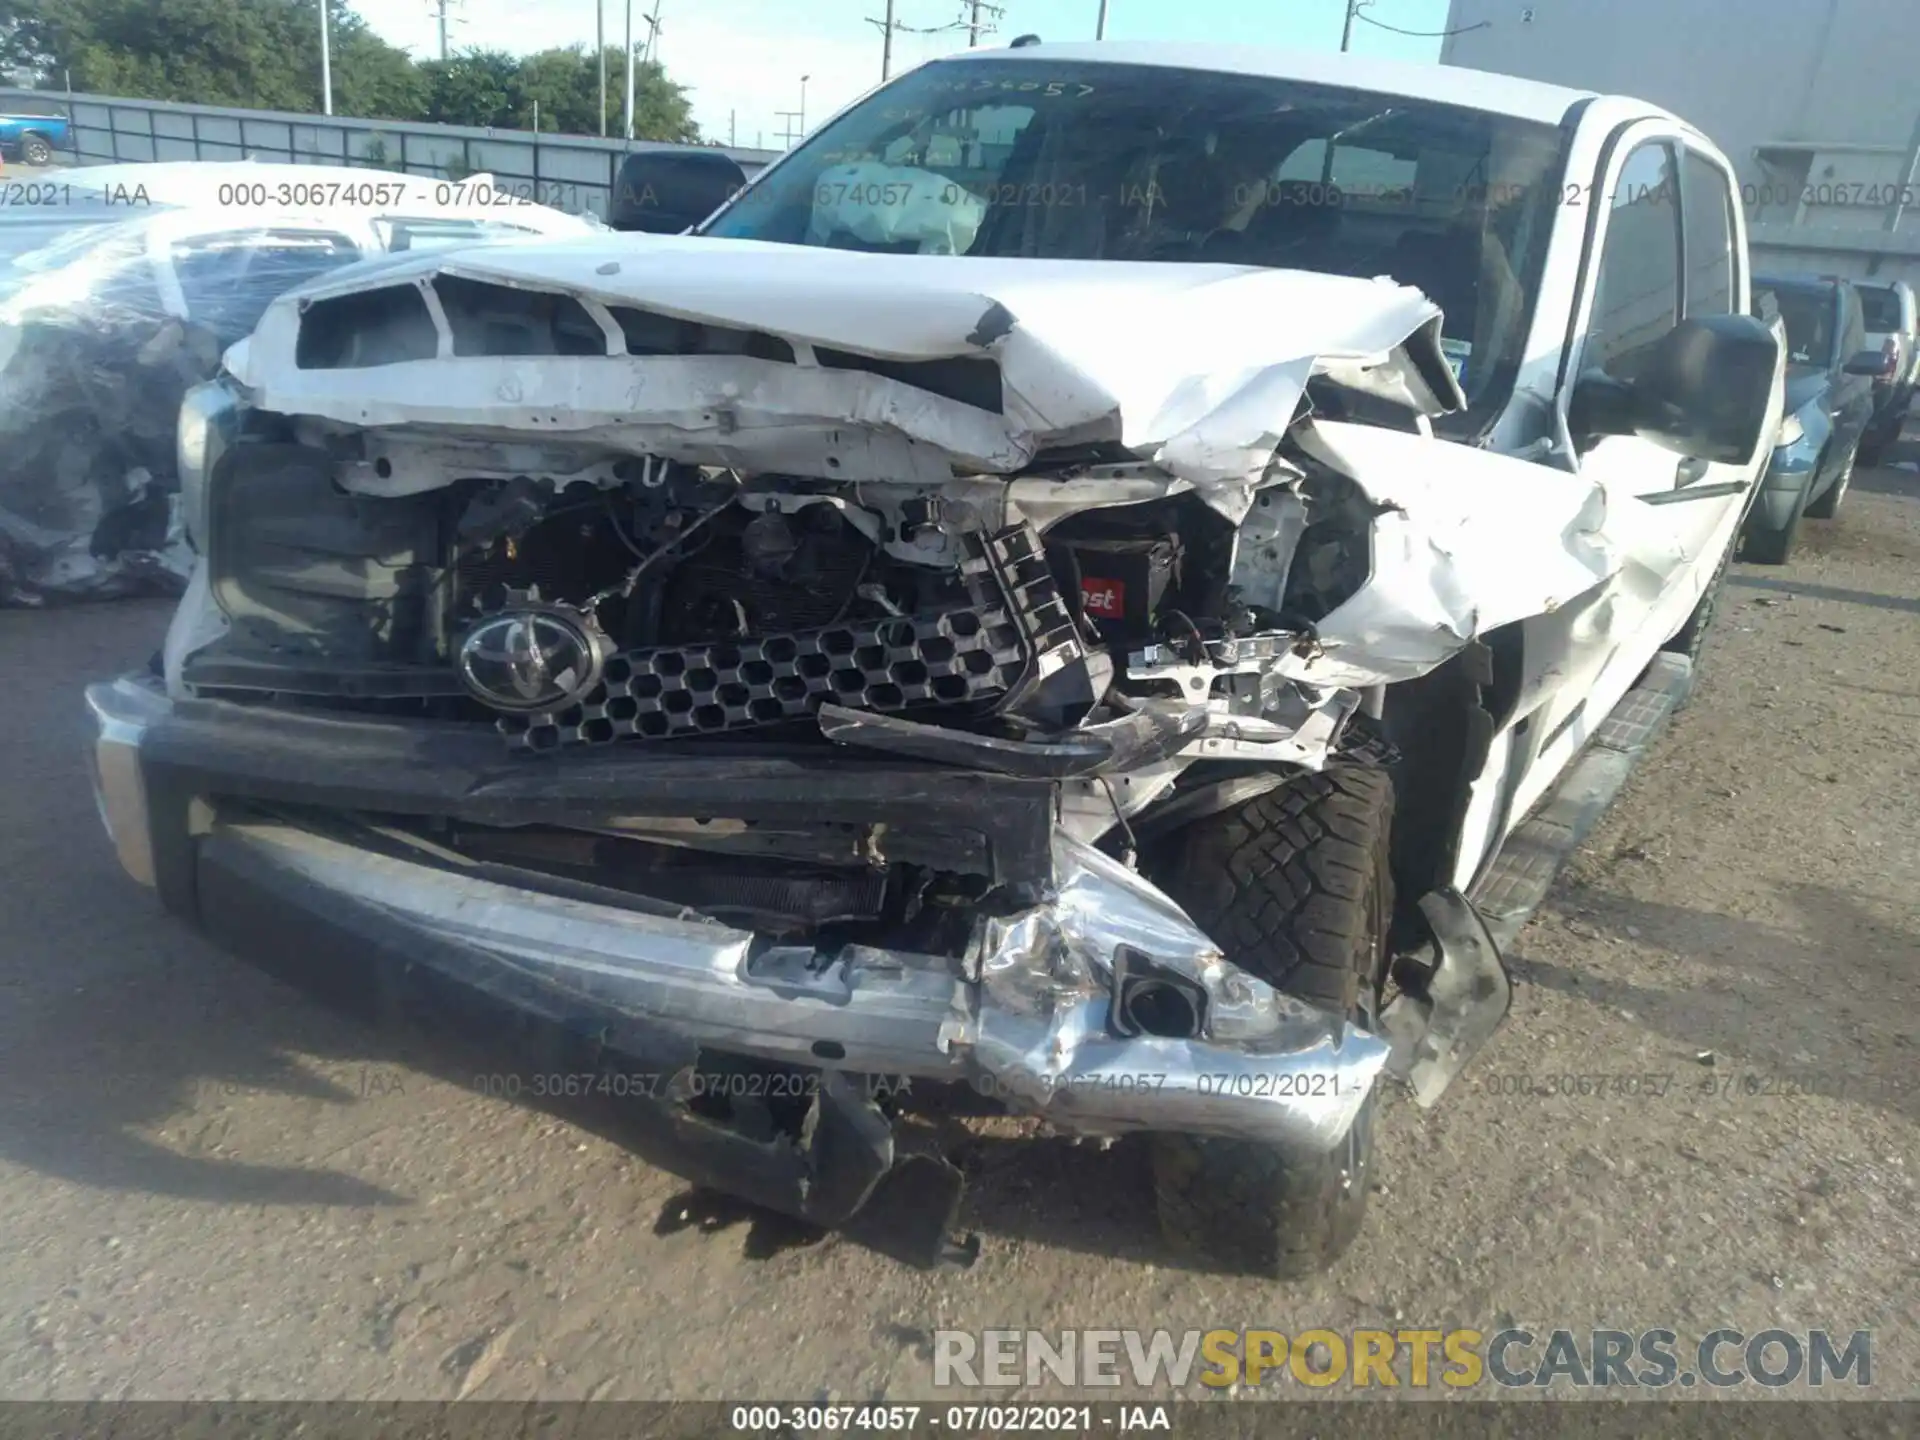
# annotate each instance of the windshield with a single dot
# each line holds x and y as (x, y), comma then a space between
(1123, 162)
(1808, 314)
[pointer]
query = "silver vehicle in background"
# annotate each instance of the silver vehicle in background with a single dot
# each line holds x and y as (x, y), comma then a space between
(1893, 328)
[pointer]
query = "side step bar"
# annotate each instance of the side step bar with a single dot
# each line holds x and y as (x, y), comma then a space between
(1511, 888)
(1440, 1022)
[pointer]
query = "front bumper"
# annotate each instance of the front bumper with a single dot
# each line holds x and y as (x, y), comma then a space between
(1023, 1015)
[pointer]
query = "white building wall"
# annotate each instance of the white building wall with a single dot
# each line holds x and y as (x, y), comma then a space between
(1816, 102)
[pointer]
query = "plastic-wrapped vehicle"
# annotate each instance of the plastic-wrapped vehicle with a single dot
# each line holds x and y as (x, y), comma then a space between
(120, 286)
(1111, 574)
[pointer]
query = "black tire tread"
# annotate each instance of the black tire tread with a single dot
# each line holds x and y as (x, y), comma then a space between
(1296, 886)
(1279, 882)
(1828, 503)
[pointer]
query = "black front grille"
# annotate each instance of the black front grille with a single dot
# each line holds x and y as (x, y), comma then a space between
(889, 664)
(1016, 632)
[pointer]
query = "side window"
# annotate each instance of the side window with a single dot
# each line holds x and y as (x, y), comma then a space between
(1637, 294)
(1705, 206)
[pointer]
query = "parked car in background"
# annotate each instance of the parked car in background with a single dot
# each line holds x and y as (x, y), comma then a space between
(32, 138)
(1893, 329)
(1015, 598)
(663, 192)
(120, 287)
(1829, 404)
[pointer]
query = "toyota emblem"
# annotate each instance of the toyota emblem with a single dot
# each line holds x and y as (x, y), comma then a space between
(533, 660)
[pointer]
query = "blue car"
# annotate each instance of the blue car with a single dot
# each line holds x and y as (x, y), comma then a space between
(32, 138)
(1829, 404)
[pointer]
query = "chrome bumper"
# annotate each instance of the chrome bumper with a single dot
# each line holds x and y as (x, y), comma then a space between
(1022, 1016)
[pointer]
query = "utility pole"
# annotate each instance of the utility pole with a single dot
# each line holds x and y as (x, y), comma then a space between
(1346, 30)
(653, 32)
(1899, 206)
(326, 64)
(973, 24)
(441, 9)
(629, 122)
(803, 103)
(732, 115)
(886, 44)
(600, 55)
(1100, 25)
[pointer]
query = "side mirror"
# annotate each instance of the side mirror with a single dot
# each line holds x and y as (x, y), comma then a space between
(1702, 390)
(664, 192)
(1866, 362)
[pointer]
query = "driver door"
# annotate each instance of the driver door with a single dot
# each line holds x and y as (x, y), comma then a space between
(1668, 247)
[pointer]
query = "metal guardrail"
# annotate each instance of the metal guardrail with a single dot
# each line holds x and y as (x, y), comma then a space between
(569, 172)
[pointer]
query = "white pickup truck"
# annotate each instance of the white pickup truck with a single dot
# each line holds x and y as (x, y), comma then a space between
(1111, 575)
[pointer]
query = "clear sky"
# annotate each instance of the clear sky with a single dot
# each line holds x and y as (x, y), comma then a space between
(743, 59)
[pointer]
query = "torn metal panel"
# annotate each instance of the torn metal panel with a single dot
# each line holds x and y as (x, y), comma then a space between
(1465, 541)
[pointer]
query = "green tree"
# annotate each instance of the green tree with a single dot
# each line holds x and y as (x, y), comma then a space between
(475, 87)
(566, 82)
(263, 54)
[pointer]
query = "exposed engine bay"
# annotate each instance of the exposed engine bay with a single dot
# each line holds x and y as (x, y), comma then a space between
(658, 600)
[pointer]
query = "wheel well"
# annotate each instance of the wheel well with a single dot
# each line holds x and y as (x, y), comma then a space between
(1442, 724)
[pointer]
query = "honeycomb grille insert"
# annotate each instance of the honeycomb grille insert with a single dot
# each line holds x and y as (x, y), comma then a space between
(1016, 632)
(959, 657)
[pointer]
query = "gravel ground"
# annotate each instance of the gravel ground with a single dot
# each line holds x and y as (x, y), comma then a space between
(211, 1187)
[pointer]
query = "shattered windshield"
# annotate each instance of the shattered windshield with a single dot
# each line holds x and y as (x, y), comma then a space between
(1125, 162)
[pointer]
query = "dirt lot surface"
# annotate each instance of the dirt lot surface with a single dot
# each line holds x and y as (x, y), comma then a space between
(212, 1187)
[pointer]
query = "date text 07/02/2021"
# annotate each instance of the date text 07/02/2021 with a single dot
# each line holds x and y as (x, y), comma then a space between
(968, 1419)
(689, 1083)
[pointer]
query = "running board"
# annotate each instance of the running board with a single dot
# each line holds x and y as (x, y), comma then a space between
(1512, 887)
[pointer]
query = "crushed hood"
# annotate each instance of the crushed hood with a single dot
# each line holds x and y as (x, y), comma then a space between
(1199, 368)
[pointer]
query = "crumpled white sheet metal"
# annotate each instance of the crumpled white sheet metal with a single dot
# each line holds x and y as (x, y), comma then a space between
(1198, 368)
(1466, 541)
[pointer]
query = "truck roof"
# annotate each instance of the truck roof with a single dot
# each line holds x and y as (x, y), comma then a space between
(1444, 84)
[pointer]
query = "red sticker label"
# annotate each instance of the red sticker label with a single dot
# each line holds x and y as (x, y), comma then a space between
(1105, 598)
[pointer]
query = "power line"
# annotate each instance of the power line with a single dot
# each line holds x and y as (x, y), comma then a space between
(889, 27)
(1421, 34)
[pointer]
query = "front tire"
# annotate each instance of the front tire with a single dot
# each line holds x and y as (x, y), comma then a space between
(1828, 505)
(1296, 887)
(1772, 547)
